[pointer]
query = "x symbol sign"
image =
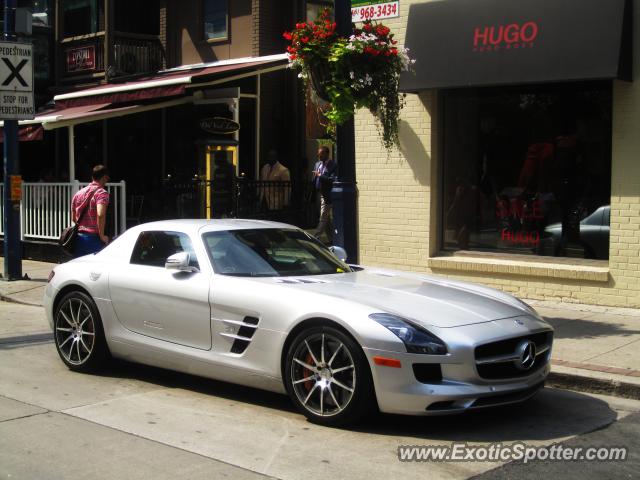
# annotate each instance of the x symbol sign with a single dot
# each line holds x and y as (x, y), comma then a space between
(15, 72)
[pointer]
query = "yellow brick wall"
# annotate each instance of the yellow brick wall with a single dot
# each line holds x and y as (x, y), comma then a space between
(398, 213)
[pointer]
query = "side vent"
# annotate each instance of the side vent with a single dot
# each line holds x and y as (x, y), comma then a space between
(242, 339)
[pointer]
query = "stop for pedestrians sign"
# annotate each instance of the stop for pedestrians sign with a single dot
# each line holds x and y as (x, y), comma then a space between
(16, 81)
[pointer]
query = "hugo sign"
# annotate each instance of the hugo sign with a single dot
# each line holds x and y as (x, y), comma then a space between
(512, 33)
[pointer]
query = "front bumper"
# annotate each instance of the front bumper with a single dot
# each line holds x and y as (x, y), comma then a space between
(399, 391)
(457, 382)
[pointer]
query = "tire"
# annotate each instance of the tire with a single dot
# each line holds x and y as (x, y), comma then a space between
(331, 387)
(78, 333)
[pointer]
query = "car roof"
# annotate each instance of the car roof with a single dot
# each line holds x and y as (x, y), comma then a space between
(210, 225)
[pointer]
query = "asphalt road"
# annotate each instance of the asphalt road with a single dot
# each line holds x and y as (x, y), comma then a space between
(133, 421)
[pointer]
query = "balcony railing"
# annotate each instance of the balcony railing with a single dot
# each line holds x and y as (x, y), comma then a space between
(131, 54)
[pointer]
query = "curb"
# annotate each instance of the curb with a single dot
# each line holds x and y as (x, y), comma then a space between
(8, 299)
(594, 385)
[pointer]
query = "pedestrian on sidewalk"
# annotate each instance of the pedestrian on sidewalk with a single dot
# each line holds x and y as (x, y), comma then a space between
(89, 210)
(325, 174)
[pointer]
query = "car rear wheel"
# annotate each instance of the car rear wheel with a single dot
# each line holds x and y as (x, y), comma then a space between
(78, 333)
(328, 377)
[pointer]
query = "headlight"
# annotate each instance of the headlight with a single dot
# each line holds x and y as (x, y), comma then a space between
(414, 337)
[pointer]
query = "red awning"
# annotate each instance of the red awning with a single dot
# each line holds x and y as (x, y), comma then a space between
(26, 133)
(170, 83)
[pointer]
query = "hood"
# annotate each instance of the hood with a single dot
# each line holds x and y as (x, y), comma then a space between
(429, 300)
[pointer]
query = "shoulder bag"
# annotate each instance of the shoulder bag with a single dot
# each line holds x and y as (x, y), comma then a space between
(67, 240)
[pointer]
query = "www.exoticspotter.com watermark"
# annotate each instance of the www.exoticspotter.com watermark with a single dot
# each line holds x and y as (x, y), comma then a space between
(498, 452)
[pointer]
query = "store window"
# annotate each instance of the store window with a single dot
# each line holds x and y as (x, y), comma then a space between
(80, 17)
(315, 8)
(137, 16)
(527, 170)
(215, 18)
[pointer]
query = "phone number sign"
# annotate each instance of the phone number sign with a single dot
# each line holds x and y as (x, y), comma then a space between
(362, 10)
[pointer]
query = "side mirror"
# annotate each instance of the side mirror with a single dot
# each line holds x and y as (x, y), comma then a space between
(179, 261)
(339, 252)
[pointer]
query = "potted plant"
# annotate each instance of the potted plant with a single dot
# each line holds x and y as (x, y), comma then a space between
(345, 74)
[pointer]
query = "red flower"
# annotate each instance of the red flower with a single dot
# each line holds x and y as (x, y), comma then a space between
(304, 39)
(287, 35)
(293, 56)
(301, 25)
(382, 30)
(371, 51)
(367, 27)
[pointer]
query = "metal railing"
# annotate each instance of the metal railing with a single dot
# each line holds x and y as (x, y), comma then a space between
(288, 202)
(135, 53)
(45, 209)
(131, 54)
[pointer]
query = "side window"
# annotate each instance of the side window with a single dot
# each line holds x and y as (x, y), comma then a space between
(154, 247)
(215, 20)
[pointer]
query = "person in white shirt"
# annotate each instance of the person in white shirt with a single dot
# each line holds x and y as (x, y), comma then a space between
(277, 195)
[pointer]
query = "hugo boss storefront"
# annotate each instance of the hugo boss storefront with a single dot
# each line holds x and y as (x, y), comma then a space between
(519, 145)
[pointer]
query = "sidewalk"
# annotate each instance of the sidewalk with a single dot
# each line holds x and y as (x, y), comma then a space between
(595, 348)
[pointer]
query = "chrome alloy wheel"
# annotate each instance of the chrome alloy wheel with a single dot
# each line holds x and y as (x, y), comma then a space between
(323, 374)
(75, 331)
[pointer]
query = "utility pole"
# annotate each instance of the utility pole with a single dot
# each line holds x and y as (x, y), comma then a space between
(12, 180)
(345, 193)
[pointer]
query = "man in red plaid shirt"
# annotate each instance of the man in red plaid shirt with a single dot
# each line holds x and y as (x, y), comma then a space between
(94, 201)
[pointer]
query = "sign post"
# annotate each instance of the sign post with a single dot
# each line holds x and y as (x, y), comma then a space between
(344, 194)
(16, 103)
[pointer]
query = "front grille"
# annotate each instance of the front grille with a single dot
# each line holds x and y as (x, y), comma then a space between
(496, 371)
(504, 347)
(507, 368)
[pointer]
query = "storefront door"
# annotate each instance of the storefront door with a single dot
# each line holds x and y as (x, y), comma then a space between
(221, 169)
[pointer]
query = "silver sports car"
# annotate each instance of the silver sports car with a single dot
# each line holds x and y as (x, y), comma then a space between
(266, 305)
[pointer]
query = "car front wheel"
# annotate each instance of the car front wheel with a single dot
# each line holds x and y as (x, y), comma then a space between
(78, 333)
(327, 376)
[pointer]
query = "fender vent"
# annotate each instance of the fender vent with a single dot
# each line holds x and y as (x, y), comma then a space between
(242, 339)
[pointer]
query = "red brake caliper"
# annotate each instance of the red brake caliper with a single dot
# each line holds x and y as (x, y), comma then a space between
(308, 385)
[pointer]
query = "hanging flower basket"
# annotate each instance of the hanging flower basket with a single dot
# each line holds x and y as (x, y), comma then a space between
(349, 73)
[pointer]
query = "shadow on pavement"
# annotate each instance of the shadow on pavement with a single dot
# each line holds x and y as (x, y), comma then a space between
(549, 415)
(582, 328)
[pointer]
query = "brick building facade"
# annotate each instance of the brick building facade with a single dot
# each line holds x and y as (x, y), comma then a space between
(403, 205)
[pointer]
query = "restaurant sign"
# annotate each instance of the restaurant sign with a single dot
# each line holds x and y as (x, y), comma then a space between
(362, 10)
(219, 125)
(81, 58)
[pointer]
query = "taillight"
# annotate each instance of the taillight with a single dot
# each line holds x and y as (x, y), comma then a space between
(51, 275)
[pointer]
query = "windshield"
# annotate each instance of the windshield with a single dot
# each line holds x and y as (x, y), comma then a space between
(270, 252)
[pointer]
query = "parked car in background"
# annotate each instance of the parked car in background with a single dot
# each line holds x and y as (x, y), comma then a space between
(594, 234)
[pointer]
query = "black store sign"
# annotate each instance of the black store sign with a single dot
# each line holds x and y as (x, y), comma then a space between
(462, 43)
